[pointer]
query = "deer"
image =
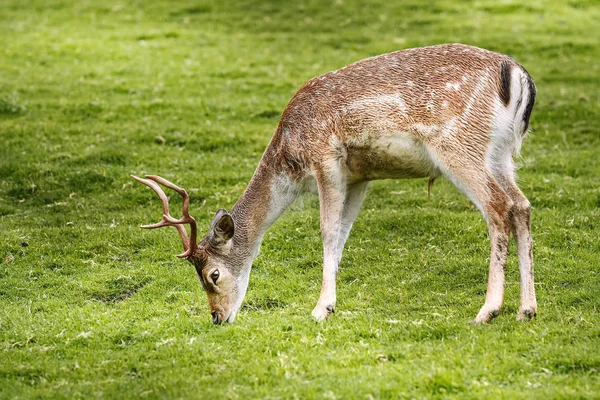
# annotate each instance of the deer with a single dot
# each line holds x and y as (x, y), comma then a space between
(450, 110)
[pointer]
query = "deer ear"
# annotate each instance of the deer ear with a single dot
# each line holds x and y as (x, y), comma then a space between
(221, 227)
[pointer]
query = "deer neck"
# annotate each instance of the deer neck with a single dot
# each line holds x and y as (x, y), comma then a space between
(269, 193)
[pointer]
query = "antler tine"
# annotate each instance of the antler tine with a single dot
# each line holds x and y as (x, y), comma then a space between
(190, 246)
(161, 194)
(167, 219)
(187, 218)
(181, 191)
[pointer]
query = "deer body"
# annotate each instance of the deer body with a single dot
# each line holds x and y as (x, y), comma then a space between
(450, 110)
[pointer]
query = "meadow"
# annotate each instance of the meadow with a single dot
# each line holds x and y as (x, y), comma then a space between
(91, 306)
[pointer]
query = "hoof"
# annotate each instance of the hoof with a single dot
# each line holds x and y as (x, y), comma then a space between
(321, 313)
(526, 314)
(485, 315)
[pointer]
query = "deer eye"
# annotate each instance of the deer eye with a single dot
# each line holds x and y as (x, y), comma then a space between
(215, 275)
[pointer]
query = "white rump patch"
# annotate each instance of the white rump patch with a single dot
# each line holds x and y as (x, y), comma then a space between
(507, 126)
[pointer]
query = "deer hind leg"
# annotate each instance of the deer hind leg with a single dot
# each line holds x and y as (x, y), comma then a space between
(497, 209)
(476, 181)
(521, 230)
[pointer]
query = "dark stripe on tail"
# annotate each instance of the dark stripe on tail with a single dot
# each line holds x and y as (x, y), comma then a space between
(505, 82)
(530, 100)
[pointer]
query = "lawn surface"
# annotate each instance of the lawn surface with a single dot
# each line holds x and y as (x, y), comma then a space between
(90, 306)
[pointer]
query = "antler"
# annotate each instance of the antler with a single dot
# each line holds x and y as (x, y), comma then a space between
(189, 245)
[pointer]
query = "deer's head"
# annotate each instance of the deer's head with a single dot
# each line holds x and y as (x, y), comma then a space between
(221, 265)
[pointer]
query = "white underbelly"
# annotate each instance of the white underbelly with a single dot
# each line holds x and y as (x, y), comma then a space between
(397, 155)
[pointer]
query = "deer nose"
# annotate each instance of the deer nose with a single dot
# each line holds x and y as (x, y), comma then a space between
(215, 317)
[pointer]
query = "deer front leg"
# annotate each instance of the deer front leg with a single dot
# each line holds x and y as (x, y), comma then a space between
(332, 196)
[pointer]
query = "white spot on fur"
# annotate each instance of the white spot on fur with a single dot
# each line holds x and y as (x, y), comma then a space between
(476, 94)
(425, 129)
(453, 86)
(444, 104)
(410, 83)
(394, 100)
(451, 127)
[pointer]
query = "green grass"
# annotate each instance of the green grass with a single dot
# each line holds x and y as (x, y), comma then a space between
(90, 306)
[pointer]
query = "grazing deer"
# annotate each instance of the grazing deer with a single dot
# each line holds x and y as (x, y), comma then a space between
(450, 110)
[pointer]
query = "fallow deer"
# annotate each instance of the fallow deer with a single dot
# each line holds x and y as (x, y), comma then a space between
(449, 110)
